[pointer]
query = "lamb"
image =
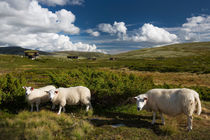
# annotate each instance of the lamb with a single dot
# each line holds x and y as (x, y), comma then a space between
(37, 96)
(70, 96)
(171, 102)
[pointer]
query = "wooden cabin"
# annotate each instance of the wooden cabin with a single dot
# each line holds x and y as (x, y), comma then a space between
(92, 58)
(112, 58)
(73, 57)
(31, 54)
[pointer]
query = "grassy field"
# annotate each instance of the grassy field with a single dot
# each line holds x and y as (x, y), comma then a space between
(171, 78)
(170, 51)
(76, 124)
(189, 57)
(42, 125)
(113, 84)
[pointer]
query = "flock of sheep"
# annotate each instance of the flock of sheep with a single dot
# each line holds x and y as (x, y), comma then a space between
(60, 96)
(165, 101)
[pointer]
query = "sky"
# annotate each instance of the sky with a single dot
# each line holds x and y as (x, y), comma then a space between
(108, 26)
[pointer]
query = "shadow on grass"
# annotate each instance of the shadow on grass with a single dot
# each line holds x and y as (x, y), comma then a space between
(129, 120)
(106, 117)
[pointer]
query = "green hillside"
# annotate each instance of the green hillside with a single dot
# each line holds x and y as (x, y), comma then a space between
(188, 57)
(80, 54)
(17, 50)
(175, 50)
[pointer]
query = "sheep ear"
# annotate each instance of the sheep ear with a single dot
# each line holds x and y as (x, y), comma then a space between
(136, 98)
(24, 87)
(56, 92)
(145, 98)
(32, 89)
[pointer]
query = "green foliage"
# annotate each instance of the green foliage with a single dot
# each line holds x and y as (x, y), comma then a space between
(11, 91)
(204, 92)
(44, 125)
(198, 64)
(107, 88)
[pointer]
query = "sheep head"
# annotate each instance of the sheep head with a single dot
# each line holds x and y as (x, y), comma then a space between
(52, 93)
(141, 101)
(28, 90)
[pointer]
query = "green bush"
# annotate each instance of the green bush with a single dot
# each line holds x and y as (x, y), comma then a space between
(204, 92)
(11, 92)
(107, 88)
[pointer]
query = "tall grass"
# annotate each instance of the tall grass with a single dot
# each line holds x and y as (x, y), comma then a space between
(43, 125)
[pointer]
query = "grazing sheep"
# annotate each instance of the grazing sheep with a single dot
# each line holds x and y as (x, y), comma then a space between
(37, 96)
(70, 96)
(171, 102)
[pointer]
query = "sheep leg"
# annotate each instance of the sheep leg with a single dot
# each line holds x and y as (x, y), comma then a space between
(32, 106)
(64, 109)
(153, 118)
(87, 107)
(53, 106)
(37, 107)
(90, 106)
(190, 118)
(59, 112)
(162, 118)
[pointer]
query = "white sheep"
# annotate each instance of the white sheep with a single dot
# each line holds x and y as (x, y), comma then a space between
(37, 96)
(171, 102)
(70, 96)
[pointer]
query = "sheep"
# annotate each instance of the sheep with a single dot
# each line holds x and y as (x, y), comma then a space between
(70, 96)
(37, 96)
(171, 102)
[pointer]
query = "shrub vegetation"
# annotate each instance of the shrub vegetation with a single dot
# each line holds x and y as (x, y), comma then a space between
(107, 88)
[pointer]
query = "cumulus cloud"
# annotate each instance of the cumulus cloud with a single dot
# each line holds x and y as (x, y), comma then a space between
(35, 18)
(118, 28)
(47, 42)
(195, 29)
(61, 2)
(16, 4)
(30, 25)
(93, 33)
(151, 33)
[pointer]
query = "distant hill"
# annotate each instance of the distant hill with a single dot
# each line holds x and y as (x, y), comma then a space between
(81, 54)
(175, 50)
(17, 50)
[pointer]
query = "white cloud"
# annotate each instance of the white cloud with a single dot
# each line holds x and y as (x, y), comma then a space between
(17, 4)
(75, 2)
(47, 42)
(30, 25)
(118, 28)
(195, 29)
(93, 33)
(38, 19)
(153, 34)
(147, 33)
(61, 2)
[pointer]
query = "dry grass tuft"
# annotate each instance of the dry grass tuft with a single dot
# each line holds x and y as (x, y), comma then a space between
(43, 125)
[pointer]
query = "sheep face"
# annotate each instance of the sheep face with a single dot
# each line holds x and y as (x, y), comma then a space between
(140, 101)
(52, 93)
(28, 90)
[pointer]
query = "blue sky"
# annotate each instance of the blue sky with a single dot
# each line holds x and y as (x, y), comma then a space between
(169, 13)
(110, 26)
